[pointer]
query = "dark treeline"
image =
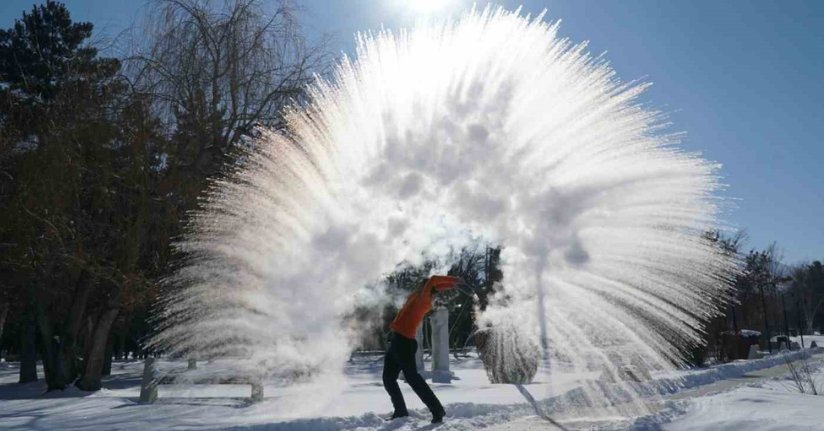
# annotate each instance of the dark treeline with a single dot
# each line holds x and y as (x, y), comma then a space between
(769, 296)
(102, 156)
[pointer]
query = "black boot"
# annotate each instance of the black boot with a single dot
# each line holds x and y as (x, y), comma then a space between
(437, 416)
(396, 415)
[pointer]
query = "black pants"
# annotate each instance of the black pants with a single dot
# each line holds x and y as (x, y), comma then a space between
(400, 356)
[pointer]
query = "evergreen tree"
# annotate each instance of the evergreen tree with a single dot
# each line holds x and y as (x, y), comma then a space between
(79, 156)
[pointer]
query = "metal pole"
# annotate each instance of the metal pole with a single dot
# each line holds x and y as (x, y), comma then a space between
(766, 319)
(800, 328)
(734, 320)
(786, 326)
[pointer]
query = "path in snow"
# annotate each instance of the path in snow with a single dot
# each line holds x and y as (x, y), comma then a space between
(719, 387)
(735, 382)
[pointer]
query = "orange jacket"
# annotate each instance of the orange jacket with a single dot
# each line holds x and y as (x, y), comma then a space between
(418, 304)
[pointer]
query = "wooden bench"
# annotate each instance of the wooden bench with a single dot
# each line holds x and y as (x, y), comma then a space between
(152, 379)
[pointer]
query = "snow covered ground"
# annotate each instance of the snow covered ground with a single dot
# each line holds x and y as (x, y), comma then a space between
(349, 401)
(772, 403)
(751, 395)
(757, 407)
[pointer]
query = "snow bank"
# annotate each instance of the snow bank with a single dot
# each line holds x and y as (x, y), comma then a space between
(575, 399)
(747, 408)
(764, 405)
(731, 370)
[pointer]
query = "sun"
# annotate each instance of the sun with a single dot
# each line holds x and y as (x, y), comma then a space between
(426, 5)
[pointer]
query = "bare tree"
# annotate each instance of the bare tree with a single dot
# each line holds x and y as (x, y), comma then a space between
(808, 291)
(217, 69)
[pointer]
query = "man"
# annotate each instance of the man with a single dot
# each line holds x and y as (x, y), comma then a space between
(400, 354)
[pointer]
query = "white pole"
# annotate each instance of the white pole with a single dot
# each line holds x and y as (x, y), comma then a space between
(440, 346)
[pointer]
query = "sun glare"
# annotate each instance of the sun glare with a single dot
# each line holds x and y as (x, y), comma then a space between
(426, 5)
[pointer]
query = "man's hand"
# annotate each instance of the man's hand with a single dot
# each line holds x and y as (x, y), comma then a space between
(443, 282)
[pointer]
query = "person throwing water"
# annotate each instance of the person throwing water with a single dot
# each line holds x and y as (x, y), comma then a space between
(400, 352)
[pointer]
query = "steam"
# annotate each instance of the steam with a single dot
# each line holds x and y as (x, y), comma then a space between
(489, 128)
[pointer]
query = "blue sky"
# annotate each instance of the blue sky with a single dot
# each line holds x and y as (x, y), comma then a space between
(742, 78)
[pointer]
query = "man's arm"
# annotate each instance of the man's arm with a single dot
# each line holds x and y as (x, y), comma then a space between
(440, 282)
(437, 282)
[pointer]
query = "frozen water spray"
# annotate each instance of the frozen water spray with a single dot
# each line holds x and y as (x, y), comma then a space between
(487, 128)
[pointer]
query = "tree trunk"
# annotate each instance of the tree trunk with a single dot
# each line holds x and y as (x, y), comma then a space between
(118, 346)
(28, 347)
(107, 357)
(4, 312)
(88, 336)
(60, 348)
(54, 379)
(71, 326)
(93, 363)
(124, 352)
